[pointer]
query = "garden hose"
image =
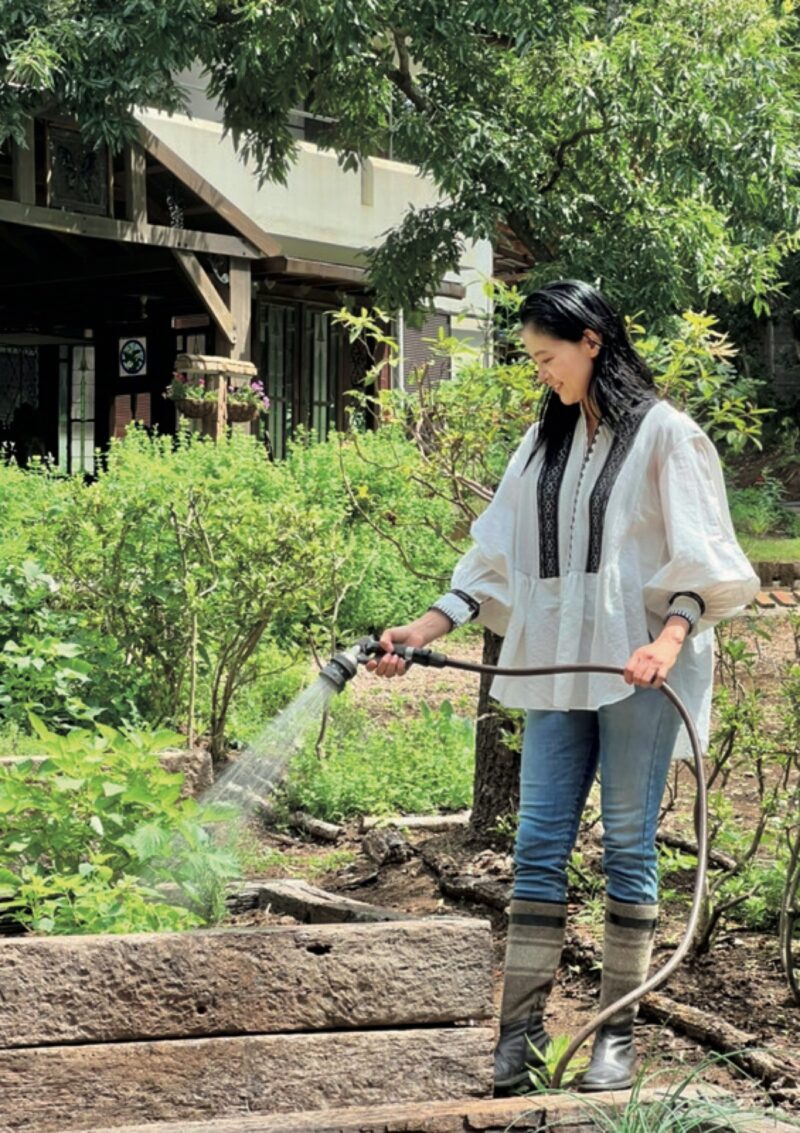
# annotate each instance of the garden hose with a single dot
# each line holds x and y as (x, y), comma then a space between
(341, 668)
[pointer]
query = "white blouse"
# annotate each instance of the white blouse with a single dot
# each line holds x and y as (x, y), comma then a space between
(578, 565)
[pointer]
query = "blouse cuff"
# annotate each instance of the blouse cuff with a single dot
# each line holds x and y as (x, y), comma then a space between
(687, 606)
(458, 606)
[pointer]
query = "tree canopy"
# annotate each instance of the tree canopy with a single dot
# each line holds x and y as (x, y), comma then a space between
(650, 147)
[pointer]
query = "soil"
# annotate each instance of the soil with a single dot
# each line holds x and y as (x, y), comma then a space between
(740, 980)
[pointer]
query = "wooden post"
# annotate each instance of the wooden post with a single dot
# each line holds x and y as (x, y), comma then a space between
(24, 168)
(135, 185)
(241, 303)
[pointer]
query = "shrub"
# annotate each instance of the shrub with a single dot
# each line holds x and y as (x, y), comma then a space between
(408, 764)
(50, 662)
(89, 831)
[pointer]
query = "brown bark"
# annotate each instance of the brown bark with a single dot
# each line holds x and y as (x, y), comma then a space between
(496, 790)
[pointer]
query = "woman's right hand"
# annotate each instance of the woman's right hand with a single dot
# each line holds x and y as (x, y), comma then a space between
(422, 632)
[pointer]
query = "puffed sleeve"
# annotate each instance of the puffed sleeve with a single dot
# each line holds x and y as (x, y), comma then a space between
(704, 556)
(481, 586)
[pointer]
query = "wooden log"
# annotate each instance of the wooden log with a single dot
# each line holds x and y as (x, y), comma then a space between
(310, 905)
(384, 844)
(742, 1048)
(466, 887)
(431, 823)
(93, 989)
(322, 831)
(542, 1111)
(57, 1089)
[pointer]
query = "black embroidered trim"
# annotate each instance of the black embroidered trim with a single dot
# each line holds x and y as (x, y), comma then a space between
(547, 493)
(624, 436)
(473, 603)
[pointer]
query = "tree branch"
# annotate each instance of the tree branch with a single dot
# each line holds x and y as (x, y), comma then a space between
(401, 76)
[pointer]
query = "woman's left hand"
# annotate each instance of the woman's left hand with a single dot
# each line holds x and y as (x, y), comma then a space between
(649, 665)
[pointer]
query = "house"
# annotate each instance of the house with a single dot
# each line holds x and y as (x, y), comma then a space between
(114, 263)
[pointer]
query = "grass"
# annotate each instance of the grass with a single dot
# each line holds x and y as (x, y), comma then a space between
(258, 860)
(774, 550)
(679, 1107)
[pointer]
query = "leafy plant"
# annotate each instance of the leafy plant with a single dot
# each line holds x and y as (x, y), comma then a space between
(189, 387)
(50, 661)
(542, 1076)
(410, 763)
(91, 829)
(759, 510)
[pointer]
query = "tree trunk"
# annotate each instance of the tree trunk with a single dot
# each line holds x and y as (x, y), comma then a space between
(496, 791)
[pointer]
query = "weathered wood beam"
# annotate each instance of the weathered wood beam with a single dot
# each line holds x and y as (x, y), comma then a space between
(135, 185)
(23, 168)
(241, 302)
(57, 1089)
(559, 1113)
(104, 228)
(94, 989)
(341, 273)
(206, 291)
(307, 903)
(193, 180)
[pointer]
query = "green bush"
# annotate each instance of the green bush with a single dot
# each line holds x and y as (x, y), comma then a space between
(759, 510)
(191, 575)
(417, 764)
(50, 662)
(88, 832)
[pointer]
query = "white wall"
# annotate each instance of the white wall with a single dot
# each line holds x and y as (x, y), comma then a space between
(322, 212)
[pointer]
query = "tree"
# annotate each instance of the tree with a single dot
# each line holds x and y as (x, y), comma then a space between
(647, 146)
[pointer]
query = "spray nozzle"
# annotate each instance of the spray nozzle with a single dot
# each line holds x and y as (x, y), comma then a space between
(343, 666)
(341, 669)
(412, 654)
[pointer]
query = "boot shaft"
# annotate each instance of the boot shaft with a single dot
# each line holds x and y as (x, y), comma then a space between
(535, 940)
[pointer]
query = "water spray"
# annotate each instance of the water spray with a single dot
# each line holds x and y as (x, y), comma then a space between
(344, 666)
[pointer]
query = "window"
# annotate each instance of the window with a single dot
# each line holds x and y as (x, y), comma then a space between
(301, 367)
(417, 351)
(76, 390)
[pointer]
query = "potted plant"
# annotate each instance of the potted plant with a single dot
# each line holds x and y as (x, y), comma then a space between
(191, 396)
(247, 401)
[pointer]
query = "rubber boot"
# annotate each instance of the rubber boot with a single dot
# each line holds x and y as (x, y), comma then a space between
(535, 940)
(627, 948)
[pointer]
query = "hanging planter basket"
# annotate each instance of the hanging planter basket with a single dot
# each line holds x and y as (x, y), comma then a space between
(195, 406)
(238, 413)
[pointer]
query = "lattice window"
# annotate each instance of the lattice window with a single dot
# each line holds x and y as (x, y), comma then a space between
(19, 382)
(417, 352)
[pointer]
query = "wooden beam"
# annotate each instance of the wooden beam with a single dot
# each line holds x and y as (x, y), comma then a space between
(193, 180)
(207, 292)
(315, 269)
(341, 273)
(92, 1086)
(241, 301)
(135, 185)
(24, 168)
(104, 228)
(406, 973)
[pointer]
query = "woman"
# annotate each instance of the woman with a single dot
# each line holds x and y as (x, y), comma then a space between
(609, 541)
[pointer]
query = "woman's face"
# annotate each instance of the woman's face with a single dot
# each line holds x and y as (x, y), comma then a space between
(563, 365)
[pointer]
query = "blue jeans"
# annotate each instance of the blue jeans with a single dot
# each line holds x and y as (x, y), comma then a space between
(631, 742)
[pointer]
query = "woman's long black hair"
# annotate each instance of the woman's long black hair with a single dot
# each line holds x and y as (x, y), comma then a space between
(621, 380)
